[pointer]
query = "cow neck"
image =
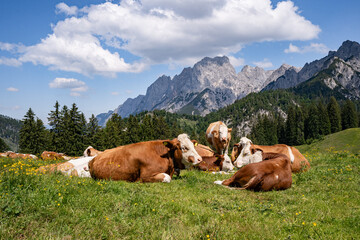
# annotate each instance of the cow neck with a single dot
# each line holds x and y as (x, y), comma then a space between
(176, 162)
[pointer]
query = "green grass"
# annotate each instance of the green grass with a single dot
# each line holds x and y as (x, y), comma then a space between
(347, 140)
(323, 203)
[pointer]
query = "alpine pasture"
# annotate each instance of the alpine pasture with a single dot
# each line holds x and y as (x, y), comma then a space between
(323, 203)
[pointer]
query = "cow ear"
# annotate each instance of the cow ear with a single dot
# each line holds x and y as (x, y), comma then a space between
(229, 130)
(171, 143)
(236, 145)
(215, 134)
(194, 142)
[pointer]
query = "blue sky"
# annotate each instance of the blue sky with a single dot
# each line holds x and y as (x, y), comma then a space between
(99, 53)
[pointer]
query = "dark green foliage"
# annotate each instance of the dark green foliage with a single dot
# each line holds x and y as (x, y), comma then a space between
(265, 131)
(93, 133)
(3, 146)
(349, 118)
(32, 134)
(334, 115)
(113, 134)
(55, 124)
(312, 123)
(9, 131)
(324, 122)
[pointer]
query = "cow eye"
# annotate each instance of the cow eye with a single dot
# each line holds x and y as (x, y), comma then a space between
(184, 149)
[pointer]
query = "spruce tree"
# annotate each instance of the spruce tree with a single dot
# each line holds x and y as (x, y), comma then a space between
(147, 128)
(324, 122)
(113, 134)
(133, 131)
(93, 133)
(312, 123)
(348, 115)
(334, 115)
(55, 122)
(299, 127)
(32, 134)
(291, 126)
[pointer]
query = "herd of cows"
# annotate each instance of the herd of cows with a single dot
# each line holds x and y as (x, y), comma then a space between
(261, 168)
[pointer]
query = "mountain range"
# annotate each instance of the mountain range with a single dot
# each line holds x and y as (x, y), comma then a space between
(213, 83)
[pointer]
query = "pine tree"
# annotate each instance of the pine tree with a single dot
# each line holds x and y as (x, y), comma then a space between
(32, 134)
(312, 123)
(290, 129)
(324, 122)
(334, 115)
(113, 134)
(93, 133)
(147, 128)
(55, 122)
(299, 127)
(280, 123)
(133, 131)
(348, 115)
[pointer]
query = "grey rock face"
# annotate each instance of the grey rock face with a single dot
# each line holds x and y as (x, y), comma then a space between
(210, 84)
(349, 52)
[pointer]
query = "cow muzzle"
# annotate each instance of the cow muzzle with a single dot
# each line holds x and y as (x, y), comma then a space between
(194, 160)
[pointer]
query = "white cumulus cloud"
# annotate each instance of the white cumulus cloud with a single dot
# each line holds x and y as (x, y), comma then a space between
(101, 37)
(75, 86)
(313, 47)
(264, 64)
(64, 8)
(12, 89)
(236, 62)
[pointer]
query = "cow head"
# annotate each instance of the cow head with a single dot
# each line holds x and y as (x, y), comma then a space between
(184, 150)
(90, 151)
(241, 152)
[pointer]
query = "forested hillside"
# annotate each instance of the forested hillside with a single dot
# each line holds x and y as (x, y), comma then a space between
(9, 131)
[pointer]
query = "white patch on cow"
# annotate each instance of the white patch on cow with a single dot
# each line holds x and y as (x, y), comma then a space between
(292, 158)
(210, 135)
(223, 132)
(188, 150)
(245, 157)
(219, 182)
(167, 178)
(227, 164)
(276, 176)
(33, 156)
(81, 165)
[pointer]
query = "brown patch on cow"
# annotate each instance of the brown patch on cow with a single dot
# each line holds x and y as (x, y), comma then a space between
(211, 164)
(272, 174)
(142, 161)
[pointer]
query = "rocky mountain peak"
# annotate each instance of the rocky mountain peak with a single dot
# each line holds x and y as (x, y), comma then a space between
(348, 49)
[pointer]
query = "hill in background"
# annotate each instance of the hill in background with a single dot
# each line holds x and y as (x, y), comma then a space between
(347, 140)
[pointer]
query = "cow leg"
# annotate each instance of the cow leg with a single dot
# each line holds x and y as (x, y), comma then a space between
(160, 177)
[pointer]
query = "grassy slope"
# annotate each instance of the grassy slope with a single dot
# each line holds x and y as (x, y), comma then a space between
(348, 140)
(322, 203)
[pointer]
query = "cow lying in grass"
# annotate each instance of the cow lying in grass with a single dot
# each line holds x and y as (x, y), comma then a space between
(273, 173)
(75, 167)
(11, 154)
(152, 161)
(246, 152)
(212, 161)
(48, 155)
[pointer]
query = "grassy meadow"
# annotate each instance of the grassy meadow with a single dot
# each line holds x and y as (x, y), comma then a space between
(323, 203)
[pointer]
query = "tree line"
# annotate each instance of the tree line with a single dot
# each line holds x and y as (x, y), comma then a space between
(306, 123)
(71, 133)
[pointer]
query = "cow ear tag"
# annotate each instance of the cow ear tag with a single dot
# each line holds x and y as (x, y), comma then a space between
(196, 144)
(165, 143)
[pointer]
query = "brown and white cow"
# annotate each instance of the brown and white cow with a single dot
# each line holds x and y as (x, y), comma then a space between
(274, 173)
(75, 167)
(91, 152)
(211, 163)
(246, 152)
(211, 159)
(219, 135)
(11, 154)
(49, 155)
(152, 161)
